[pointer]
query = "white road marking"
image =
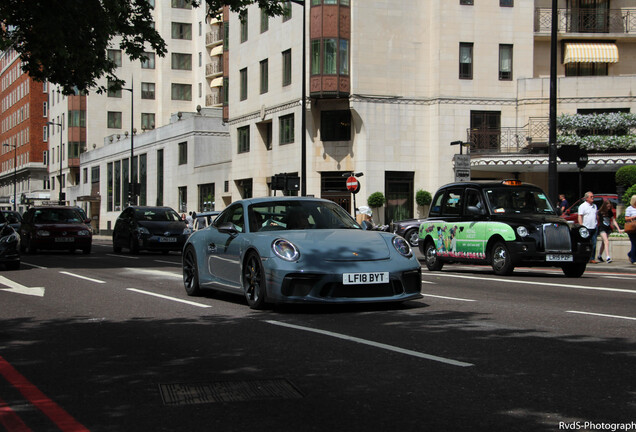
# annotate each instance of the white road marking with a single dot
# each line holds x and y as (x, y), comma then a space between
(34, 265)
(83, 277)
(123, 256)
(428, 282)
(201, 305)
(524, 282)
(602, 315)
(20, 289)
(374, 344)
(168, 262)
(162, 273)
(448, 298)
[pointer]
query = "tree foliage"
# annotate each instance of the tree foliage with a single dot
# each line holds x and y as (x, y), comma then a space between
(626, 175)
(376, 199)
(66, 42)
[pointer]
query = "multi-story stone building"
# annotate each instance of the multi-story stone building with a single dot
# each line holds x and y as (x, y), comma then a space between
(391, 84)
(23, 135)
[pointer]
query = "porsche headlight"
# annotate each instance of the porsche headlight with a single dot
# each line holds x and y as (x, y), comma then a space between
(522, 231)
(583, 232)
(285, 249)
(402, 246)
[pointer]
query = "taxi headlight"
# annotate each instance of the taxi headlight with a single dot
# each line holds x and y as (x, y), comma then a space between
(522, 231)
(43, 233)
(402, 246)
(583, 232)
(142, 230)
(83, 232)
(285, 249)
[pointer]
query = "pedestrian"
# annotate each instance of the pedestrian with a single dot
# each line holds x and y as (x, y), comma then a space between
(563, 204)
(190, 220)
(630, 216)
(606, 221)
(587, 218)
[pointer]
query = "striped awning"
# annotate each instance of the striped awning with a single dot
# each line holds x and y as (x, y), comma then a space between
(590, 53)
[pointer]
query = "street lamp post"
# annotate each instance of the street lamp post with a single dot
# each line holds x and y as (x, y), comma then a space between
(131, 186)
(303, 114)
(15, 172)
(60, 198)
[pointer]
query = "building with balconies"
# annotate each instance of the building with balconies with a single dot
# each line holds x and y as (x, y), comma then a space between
(389, 85)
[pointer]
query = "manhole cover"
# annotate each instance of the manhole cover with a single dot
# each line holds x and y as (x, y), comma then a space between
(227, 391)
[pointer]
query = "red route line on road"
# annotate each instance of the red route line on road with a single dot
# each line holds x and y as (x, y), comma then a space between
(10, 420)
(53, 411)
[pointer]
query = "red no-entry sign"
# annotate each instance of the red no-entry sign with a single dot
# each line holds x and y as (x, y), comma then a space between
(353, 185)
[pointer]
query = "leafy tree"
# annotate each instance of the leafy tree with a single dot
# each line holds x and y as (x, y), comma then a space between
(626, 175)
(65, 41)
(376, 199)
(423, 198)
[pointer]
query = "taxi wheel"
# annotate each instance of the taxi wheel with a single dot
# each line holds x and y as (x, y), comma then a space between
(433, 263)
(574, 270)
(413, 237)
(501, 260)
(254, 282)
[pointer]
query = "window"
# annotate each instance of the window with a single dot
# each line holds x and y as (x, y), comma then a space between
(264, 21)
(287, 11)
(465, 60)
(505, 62)
(181, 61)
(77, 118)
(335, 125)
(147, 121)
(586, 69)
(287, 68)
(109, 186)
(286, 132)
(115, 56)
(160, 177)
(243, 139)
(183, 199)
(182, 92)
(206, 197)
(181, 31)
(466, 2)
(45, 134)
(315, 56)
(114, 120)
(181, 4)
(244, 27)
(183, 153)
(343, 67)
(147, 90)
(149, 63)
(112, 92)
(243, 89)
(45, 110)
(330, 60)
(506, 3)
(264, 75)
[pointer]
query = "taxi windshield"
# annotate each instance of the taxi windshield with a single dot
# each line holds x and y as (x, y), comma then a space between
(519, 200)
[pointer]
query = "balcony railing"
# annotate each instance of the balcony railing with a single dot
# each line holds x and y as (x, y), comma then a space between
(587, 20)
(214, 68)
(212, 99)
(213, 37)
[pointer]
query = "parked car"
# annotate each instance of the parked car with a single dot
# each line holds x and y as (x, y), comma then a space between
(55, 228)
(409, 229)
(504, 224)
(13, 217)
(572, 213)
(299, 250)
(9, 247)
(205, 219)
(149, 228)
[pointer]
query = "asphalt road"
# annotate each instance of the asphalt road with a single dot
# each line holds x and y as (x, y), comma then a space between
(110, 342)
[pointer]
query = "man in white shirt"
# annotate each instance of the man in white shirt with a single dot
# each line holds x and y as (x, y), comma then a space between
(587, 218)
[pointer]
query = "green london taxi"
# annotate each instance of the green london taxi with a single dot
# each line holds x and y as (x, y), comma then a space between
(505, 224)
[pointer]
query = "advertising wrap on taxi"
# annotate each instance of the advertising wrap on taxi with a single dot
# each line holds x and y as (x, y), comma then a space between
(466, 240)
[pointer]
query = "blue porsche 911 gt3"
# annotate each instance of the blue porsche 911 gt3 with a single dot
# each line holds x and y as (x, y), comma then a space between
(298, 250)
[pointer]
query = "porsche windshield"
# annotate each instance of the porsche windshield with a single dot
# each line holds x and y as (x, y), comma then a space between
(298, 215)
(519, 200)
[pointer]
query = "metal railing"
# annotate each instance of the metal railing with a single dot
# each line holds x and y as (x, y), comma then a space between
(587, 20)
(213, 37)
(214, 68)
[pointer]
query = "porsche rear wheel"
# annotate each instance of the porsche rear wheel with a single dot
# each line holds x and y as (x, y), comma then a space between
(254, 281)
(191, 272)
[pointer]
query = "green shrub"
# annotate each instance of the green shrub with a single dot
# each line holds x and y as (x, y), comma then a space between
(626, 175)
(376, 199)
(629, 193)
(423, 198)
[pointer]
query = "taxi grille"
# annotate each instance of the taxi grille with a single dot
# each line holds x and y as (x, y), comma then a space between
(556, 238)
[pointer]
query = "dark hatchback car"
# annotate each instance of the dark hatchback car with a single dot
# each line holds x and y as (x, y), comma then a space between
(149, 228)
(504, 224)
(55, 228)
(409, 229)
(9, 246)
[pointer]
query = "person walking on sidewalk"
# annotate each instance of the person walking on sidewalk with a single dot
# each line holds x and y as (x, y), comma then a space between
(606, 222)
(587, 218)
(630, 215)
